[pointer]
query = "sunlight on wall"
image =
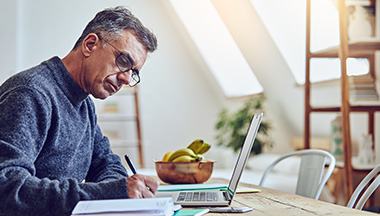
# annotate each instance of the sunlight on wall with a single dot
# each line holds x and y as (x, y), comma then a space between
(217, 47)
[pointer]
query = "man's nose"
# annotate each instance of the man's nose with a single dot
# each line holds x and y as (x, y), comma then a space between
(125, 77)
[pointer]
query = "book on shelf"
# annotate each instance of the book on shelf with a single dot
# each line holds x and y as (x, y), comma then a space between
(363, 87)
(116, 207)
(364, 95)
(363, 91)
(360, 78)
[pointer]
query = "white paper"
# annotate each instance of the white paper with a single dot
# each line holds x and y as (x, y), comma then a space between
(150, 206)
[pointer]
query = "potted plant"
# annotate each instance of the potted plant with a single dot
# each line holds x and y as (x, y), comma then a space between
(232, 128)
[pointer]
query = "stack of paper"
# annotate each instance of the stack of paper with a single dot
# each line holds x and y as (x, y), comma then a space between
(115, 207)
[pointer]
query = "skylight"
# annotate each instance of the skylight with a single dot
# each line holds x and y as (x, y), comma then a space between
(286, 23)
(217, 47)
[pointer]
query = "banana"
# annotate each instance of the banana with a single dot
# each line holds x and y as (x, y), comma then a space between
(200, 158)
(167, 156)
(196, 145)
(181, 152)
(204, 149)
(187, 158)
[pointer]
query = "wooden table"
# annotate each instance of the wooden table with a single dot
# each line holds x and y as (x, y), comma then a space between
(273, 202)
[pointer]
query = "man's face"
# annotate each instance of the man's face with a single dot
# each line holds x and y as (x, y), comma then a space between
(103, 78)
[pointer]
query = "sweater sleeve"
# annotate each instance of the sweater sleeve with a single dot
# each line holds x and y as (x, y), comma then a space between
(24, 127)
(105, 165)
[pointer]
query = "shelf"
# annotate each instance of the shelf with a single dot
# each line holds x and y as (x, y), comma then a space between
(325, 109)
(358, 49)
(365, 108)
(356, 165)
(363, 48)
(123, 143)
(353, 108)
(117, 117)
(125, 90)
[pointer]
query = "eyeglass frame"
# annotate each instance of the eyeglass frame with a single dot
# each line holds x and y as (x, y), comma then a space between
(135, 77)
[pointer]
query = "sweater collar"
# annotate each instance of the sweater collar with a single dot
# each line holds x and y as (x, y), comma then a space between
(65, 81)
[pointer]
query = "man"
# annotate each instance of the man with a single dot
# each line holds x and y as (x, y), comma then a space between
(52, 152)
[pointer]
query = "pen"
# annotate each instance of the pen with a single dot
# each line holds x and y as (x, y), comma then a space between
(130, 164)
(132, 167)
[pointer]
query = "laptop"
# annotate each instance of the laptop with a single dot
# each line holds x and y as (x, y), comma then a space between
(215, 197)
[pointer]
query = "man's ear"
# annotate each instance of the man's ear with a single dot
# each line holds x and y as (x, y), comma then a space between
(90, 43)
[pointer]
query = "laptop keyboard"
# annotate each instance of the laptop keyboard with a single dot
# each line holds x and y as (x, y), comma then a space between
(208, 196)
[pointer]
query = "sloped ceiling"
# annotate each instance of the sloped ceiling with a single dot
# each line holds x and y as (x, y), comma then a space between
(285, 99)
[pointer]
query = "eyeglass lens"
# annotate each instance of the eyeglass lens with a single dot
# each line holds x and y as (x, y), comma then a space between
(125, 65)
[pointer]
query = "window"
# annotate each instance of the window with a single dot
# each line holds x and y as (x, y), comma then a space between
(286, 23)
(217, 47)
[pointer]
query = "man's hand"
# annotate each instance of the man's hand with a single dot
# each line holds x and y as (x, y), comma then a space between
(140, 186)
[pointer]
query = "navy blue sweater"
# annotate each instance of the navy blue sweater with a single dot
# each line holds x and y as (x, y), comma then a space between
(49, 143)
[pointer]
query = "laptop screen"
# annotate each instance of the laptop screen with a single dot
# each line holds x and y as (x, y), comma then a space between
(244, 154)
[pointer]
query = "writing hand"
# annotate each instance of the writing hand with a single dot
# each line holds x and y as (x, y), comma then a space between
(141, 186)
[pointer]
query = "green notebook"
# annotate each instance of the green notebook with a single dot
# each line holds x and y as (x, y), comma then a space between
(191, 212)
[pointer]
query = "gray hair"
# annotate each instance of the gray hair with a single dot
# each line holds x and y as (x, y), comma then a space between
(110, 22)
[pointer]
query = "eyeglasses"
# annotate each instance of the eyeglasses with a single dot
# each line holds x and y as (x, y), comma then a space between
(124, 63)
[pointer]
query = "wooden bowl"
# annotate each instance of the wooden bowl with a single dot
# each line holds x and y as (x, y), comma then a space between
(184, 172)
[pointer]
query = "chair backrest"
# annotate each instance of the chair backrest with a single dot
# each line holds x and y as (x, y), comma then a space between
(368, 192)
(311, 174)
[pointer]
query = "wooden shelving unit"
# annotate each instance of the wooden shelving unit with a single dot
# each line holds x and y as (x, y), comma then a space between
(358, 49)
(123, 109)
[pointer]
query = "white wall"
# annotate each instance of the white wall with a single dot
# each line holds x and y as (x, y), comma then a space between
(285, 98)
(179, 99)
(8, 26)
